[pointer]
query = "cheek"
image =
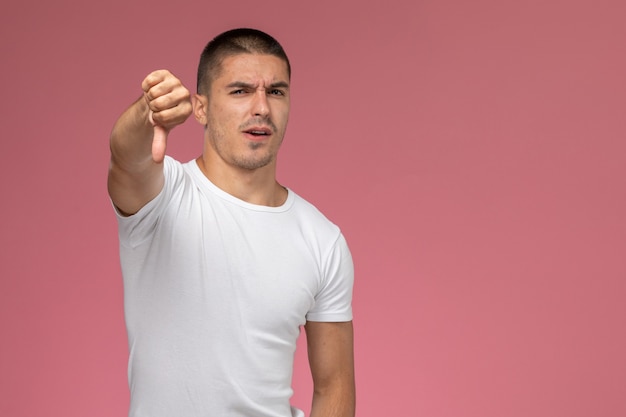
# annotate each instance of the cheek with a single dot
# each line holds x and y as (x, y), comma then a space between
(221, 118)
(281, 115)
(284, 120)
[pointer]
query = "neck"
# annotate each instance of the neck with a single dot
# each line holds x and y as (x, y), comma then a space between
(258, 186)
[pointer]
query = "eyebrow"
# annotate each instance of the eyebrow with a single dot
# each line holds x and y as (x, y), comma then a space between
(241, 84)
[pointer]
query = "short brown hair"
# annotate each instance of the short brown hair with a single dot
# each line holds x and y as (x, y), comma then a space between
(234, 42)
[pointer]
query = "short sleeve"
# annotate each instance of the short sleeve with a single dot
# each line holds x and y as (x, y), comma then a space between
(333, 303)
(136, 229)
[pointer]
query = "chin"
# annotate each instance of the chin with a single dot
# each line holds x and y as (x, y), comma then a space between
(254, 163)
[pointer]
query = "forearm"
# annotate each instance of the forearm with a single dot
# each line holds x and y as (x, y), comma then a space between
(131, 138)
(134, 178)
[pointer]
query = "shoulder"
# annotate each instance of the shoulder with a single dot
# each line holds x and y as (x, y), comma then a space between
(324, 238)
(312, 216)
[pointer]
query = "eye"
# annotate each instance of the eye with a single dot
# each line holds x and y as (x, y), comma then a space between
(237, 92)
(276, 92)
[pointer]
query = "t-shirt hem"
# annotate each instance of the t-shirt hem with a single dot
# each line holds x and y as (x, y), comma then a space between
(331, 318)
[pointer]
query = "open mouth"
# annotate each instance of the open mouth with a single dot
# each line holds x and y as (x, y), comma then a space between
(258, 131)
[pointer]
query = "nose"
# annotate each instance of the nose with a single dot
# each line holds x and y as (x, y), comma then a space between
(260, 106)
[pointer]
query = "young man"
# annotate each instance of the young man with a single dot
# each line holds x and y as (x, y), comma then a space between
(221, 263)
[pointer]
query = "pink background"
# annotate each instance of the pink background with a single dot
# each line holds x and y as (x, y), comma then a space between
(472, 152)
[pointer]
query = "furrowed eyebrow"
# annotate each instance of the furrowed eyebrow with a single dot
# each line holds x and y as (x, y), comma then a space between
(241, 84)
(279, 84)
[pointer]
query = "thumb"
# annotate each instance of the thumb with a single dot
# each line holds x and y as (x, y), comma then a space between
(159, 141)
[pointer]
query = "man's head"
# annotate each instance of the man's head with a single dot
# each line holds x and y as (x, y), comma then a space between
(243, 99)
(234, 42)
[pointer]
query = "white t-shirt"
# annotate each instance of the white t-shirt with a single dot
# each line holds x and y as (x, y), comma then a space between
(216, 290)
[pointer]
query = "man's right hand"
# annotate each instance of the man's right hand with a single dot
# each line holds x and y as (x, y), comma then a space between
(138, 140)
(169, 103)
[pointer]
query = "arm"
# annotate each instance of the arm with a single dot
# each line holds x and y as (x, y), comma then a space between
(138, 141)
(331, 357)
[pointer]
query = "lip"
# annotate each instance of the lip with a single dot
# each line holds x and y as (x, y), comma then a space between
(267, 132)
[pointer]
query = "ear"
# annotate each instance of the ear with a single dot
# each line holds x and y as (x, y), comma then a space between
(200, 105)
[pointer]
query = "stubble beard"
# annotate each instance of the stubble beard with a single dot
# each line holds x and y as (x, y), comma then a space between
(256, 159)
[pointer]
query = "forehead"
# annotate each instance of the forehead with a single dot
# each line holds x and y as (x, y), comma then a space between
(253, 68)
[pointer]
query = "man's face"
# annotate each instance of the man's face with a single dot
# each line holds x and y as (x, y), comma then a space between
(247, 110)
